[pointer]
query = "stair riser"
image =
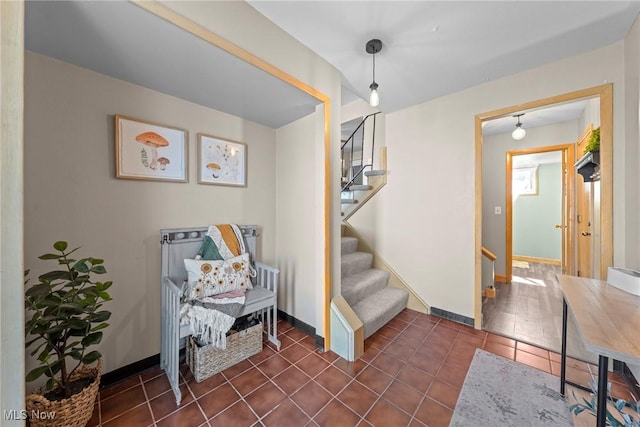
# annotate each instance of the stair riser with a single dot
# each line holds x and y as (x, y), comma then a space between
(356, 265)
(355, 291)
(379, 308)
(348, 245)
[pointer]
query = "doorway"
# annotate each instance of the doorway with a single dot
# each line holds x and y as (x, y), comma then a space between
(528, 304)
(540, 189)
(539, 199)
(604, 94)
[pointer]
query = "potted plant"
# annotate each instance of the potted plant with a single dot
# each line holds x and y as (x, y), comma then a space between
(66, 319)
(594, 141)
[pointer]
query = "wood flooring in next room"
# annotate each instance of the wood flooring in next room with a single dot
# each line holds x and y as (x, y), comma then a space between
(410, 375)
(529, 309)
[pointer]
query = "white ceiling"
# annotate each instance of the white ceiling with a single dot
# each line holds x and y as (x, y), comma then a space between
(431, 48)
(535, 118)
(121, 40)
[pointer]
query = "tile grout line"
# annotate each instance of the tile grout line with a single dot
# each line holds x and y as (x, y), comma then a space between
(147, 401)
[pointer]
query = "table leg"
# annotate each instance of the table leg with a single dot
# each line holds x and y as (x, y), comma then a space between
(563, 354)
(603, 365)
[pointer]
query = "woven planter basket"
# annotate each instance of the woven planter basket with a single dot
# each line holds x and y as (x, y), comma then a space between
(208, 360)
(75, 411)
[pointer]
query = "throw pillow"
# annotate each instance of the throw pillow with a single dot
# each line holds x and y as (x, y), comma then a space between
(212, 277)
(209, 250)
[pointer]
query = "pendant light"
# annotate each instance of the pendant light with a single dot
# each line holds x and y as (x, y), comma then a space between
(518, 133)
(374, 46)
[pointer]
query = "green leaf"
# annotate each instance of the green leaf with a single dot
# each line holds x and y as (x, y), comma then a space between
(91, 339)
(60, 246)
(37, 290)
(36, 373)
(45, 354)
(91, 357)
(50, 383)
(81, 266)
(55, 275)
(98, 269)
(50, 256)
(96, 261)
(99, 327)
(76, 355)
(100, 316)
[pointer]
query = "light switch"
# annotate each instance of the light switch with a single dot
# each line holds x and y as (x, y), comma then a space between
(498, 210)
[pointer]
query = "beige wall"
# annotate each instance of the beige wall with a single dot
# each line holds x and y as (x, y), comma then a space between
(71, 192)
(426, 225)
(12, 389)
(295, 172)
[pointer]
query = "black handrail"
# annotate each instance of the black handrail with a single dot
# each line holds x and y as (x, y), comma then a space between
(356, 130)
(351, 140)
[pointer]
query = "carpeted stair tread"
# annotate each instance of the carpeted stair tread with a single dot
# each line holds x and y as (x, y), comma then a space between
(348, 245)
(355, 262)
(377, 309)
(357, 287)
(363, 187)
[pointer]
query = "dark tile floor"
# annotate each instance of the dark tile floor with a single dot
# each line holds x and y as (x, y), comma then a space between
(529, 309)
(410, 375)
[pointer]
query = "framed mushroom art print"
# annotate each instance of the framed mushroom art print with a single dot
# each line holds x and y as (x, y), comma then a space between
(151, 151)
(221, 161)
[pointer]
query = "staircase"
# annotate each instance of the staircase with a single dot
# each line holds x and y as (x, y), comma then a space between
(367, 289)
(354, 196)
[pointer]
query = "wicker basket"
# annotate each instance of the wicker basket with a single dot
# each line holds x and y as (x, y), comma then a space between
(208, 360)
(75, 411)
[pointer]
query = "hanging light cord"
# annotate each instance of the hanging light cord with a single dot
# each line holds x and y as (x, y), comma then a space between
(374, 71)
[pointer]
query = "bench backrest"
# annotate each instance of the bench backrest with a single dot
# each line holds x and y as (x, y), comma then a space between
(180, 243)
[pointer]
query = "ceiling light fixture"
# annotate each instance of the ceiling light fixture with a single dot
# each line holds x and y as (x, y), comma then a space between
(518, 133)
(374, 46)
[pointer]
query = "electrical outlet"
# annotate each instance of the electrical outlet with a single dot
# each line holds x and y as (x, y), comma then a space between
(498, 210)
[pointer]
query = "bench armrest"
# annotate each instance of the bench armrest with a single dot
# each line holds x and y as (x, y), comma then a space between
(261, 266)
(267, 277)
(171, 286)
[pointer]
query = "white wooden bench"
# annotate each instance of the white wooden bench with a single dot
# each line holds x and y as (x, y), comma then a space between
(179, 244)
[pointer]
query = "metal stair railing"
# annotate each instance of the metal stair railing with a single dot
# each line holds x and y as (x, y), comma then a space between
(348, 175)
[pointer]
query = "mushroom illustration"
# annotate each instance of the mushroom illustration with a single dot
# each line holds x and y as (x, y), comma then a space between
(153, 141)
(215, 168)
(163, 163)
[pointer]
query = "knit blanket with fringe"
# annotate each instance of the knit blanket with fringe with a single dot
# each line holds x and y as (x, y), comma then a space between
(210, 318)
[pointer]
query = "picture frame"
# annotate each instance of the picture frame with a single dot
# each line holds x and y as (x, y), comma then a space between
(221, 161)
(525, 181)
(150, 151)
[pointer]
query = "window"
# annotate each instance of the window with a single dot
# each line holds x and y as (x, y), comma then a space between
(525, 181)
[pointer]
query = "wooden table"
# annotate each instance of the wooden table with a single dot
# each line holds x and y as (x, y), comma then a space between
(608, 322)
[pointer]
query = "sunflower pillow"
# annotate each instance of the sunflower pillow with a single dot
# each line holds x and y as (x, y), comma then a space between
(211, 277)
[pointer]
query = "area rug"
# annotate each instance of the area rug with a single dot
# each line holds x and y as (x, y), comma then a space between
(501, 392)
(520, 264)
